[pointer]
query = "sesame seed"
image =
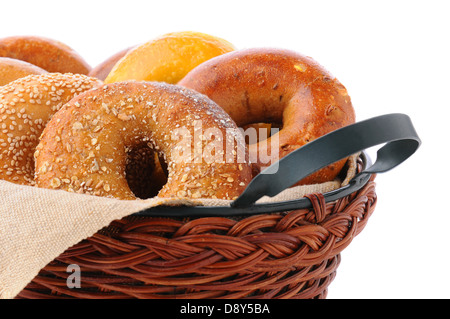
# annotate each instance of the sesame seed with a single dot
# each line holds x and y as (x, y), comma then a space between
(181, 193)
(77, 126)
(99, 184)
(55, 182)
(123, 117)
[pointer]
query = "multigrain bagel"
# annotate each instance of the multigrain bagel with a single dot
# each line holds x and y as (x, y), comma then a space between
(84, 147)
(13, 69)
(26, 105)
(48, 54)
(265, 85)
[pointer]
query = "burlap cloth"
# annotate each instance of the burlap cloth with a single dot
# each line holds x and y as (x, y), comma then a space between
(37, 225)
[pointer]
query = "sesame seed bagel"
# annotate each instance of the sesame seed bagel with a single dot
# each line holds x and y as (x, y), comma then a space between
(265, 85)
(26, 105)
(13, 69)
(48, 54)
(84, 147)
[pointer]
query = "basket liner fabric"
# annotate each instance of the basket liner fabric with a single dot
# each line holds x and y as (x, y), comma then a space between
(37, 225)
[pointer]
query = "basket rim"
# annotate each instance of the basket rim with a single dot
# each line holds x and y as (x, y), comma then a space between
(225, 211)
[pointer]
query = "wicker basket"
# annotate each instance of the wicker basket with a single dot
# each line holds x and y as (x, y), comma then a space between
(288, 250)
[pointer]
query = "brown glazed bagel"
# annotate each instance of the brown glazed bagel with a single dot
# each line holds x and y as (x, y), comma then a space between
(26, 105)
(12, 69)
(265, 85)
(48, 54)
(84, 146)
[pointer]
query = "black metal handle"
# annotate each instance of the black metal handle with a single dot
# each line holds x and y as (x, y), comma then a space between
(396, 130)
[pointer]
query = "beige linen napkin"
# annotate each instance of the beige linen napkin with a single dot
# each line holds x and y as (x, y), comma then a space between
(37, 225)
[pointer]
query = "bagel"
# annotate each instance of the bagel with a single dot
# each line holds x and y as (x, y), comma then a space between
(268, 85)
(168, 57)
(48, 54)
(84, 147)
(26, 105)
(12, 69)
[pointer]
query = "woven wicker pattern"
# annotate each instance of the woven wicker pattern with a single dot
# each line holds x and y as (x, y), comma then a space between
(280, 255)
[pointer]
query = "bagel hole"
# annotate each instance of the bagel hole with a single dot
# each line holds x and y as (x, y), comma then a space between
(146, 172)
(263, 131)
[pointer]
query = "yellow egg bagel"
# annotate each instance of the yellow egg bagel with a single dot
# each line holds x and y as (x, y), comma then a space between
(168, 58)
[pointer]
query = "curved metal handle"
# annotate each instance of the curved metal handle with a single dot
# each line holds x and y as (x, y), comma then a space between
(396, 130)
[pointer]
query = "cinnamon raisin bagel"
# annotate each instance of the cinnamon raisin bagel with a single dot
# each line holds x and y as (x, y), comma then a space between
(84, 147)
(26, 105)
(48, 54)
(265, 85)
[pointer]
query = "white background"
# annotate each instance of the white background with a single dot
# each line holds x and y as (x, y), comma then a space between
(393, 56)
